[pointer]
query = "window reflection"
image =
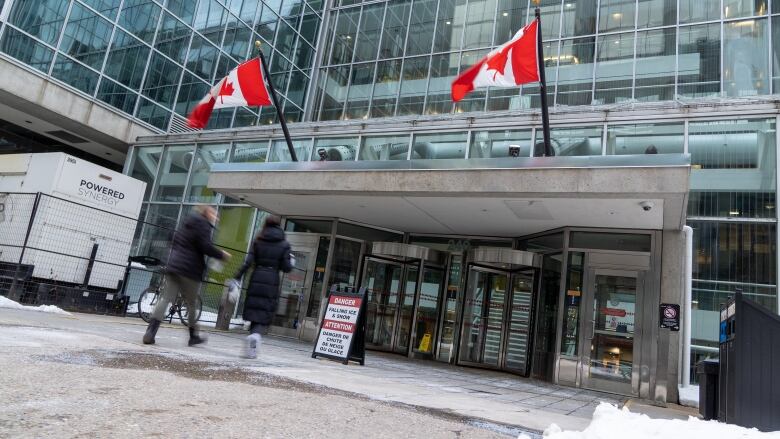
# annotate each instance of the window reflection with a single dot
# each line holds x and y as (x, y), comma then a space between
(140, 17)
(205, 156)
(335, 150)
(280, 152)
(512, 16)
(421, 27)
(439, 146)
(444, 69)
(75, 74)
(616, 15)
(344, 38)
(117, 96)
(575, 72)
(370, 32)
(250, 152)
(384, 148)
(386, 86)
(162, 79)
(653, 13)
(745, 64)
(335, 93)
(360, 86)
(480, 19)
(25, 49)
(579, 18)
(173, 173)
(655, 64)
(698, 60)
(40, 18)
(614, 69)
(744, 8)
(394, 32)
(576, 141)
(86, 37)
(127, 59)
(449, 25)
(655, 138)
(173, 38)
(202, 58)
(413, 86)
(507, 143)
(144, 166)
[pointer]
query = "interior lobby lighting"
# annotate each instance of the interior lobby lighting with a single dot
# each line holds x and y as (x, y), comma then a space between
(733, 212)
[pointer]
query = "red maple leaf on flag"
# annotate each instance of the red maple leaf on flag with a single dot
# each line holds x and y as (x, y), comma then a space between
(226, 90)
(498, 61)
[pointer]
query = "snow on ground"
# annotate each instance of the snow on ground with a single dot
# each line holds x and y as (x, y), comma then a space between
(51, 309)
(609, 422)
(689, 396)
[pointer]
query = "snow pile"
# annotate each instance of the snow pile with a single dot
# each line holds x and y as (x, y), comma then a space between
(609, 422)
(689, 396)
(51, 309)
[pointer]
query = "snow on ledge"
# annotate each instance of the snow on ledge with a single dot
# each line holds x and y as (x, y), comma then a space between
(51, 309)
(609, 422)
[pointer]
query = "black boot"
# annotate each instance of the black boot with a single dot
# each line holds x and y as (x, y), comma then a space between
(151, 331)
(195, 337)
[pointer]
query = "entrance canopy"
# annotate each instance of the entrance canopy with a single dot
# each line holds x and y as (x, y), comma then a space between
(490, 197)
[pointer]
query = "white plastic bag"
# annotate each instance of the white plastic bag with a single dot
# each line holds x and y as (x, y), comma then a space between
(234, 290)
(216, 265)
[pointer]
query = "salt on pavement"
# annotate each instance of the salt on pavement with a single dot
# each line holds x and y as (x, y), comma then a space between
(51, 309)
(609, 422)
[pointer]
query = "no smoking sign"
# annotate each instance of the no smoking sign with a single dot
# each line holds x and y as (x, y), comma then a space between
(670, 316)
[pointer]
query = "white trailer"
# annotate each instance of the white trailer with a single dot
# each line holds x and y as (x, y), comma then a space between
(81, 204)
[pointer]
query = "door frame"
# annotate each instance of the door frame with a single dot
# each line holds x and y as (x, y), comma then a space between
(587, 331)
(304, 243)
(401, 285)
(439, 303)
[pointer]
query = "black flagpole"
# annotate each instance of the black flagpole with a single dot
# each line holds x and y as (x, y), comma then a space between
(279, 113)
(548, 152)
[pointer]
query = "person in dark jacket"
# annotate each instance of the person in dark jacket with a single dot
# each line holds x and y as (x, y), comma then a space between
(269, 254)
(184, 271)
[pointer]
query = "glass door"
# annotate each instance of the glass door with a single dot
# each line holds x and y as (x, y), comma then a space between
(406, 310)
(483, 317)
(427, 311)
(519, 322)
(382, 280)
(611, 332)
(293, 288)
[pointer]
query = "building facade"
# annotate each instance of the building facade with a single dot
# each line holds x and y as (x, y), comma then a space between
(369, 83)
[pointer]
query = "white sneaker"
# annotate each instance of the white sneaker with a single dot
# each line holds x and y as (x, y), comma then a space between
(252, 341)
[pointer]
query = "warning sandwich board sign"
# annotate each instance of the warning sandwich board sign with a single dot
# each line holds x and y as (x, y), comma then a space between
(342, 329)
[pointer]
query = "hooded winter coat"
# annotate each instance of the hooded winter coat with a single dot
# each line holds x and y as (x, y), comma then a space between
(191, 243)
(269, 254)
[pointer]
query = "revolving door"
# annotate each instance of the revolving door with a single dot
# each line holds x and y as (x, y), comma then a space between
(497, 309)
(404, 285)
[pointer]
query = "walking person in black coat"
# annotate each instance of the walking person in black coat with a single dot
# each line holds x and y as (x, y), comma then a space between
(269, 254)
(184, 270)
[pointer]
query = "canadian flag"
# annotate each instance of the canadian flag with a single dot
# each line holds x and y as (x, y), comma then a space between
(243, 86)
(514, 63)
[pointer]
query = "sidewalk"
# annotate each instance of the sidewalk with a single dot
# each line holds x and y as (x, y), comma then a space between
(471, 393)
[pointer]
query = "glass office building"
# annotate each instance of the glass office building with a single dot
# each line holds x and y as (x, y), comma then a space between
(369, 82)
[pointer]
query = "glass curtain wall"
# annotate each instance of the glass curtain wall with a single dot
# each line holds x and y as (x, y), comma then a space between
(596, 52)
(156, 59)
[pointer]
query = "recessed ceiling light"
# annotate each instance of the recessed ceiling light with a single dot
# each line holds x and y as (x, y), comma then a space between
(505, 14)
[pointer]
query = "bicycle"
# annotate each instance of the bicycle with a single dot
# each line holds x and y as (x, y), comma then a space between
(148, 301)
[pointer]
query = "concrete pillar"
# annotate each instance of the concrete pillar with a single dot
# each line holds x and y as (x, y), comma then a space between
(672, 291)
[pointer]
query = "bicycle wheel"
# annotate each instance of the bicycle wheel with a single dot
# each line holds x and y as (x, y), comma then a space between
(184, 311)
(146, 303)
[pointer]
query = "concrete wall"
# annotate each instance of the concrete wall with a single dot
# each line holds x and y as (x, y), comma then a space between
(672, 291)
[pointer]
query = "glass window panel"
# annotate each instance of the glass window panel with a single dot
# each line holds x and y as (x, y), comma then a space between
(444, 69)
(220, 118)
(117, 96)
(274, 5)
(744, 8)
(162, 78)
(202, 58)
(268, 116)
(173, 38)
(235, 229)
(654, 13)
(614, 68)
(205, 156)
(745, 60)
(250, 152)
(693, 11)
(449, 25)
(191, 91)
(266, 24)
(280, 80)
(335, 150)
(109, 8)
(512, 16)
(291, 10)
(280, 152)
(492, 144)
(571, 305)
(157, 231)
(75, 74)
(285, 40)
(501, 99)
(576, 141)
(579, 18)
(384, 147)
(335, 93)
(26, 49)
(361, 81)
(248, 10)
(86, 37)
(776, 53)
(127, 59)
(530, 93)
(140, 17)
(734, 168)
(653, 138)
(439, 146)
(292, 113)
(421, 27)
(184, 9)
(370, 32)
(310, 24)
(174, 168)
(655, 64)
(42, 19)
(386, 86)
(153, 114)
(394, 32)
(210, 20)
(344, 38)
(575, 72)
(224, 65)
(144, 166)
(474, 101)
(315, 4)
(237, 41)
(296, 91)
(698, 61)
(616, 15)
(244, 118)
(304, 55)
(413, 85)
(479, 24)
(551, 18)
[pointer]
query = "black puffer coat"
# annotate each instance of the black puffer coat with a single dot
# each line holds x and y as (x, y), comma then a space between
(270, 253)
(191, 243)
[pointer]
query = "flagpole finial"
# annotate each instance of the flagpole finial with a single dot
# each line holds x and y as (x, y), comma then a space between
(258, 44)
(536, 2)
